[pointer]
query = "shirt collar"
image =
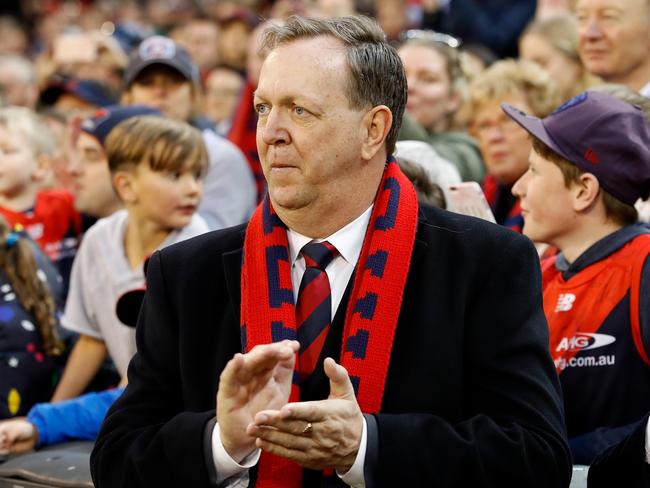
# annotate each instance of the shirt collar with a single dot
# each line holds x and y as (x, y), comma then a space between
(348, 240)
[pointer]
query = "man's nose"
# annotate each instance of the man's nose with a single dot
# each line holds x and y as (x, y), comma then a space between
(273, 128)
(591, 30)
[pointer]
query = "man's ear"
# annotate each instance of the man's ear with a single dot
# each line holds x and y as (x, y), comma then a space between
(375, 125)
(585, 192)
(125, 186)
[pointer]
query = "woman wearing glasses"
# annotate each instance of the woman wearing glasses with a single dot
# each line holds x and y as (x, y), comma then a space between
(435, 94)
(505, 145)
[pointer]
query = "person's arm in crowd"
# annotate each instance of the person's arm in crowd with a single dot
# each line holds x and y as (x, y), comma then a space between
(84, 362)
(53, 423)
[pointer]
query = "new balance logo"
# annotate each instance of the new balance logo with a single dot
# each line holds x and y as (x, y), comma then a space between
(565, 302)
(591, 156)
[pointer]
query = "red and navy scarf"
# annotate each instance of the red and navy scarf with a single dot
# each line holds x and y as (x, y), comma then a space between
(268, 311)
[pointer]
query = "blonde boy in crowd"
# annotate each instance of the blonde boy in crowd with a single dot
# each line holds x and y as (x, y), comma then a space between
(157, 166)
(590, 162)
(48, 215)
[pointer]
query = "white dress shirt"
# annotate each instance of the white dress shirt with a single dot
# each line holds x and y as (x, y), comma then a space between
(348, 241)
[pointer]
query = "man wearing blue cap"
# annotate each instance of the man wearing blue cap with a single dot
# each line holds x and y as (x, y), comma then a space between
(590, 162)
(162, 74)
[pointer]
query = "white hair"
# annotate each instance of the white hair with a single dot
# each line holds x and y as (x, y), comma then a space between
(29, 124)
(439, 170)
(20, 67)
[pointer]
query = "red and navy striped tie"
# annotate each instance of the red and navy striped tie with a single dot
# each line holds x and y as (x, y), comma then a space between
(314, 307)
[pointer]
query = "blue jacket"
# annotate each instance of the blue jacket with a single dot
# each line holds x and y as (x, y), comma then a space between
(78, 418)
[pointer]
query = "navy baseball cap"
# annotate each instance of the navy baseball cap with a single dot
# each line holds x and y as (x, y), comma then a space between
(600, 134)
(160, 50)
(105, 119)
(90, 91)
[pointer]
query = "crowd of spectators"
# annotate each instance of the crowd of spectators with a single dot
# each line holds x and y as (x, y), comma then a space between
(89, 90)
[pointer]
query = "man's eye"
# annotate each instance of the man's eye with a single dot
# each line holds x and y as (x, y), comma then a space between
(262, 108)
(301, 111)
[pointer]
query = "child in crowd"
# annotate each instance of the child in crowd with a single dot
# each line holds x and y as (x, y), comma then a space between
(161, 74)
(156, 166)
(28, 323)
(88, 170)
(589, 164)
(47, 215)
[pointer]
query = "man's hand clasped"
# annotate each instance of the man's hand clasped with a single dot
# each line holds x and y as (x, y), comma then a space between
(252, 411)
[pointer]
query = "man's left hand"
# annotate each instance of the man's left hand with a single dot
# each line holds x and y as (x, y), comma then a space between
(316, 435)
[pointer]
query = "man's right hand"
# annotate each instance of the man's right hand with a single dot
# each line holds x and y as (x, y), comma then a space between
(252, 382)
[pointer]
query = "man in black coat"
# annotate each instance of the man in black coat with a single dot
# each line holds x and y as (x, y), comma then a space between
(440, 379)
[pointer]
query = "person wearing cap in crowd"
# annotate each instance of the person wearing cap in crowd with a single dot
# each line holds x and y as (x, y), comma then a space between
(362, 375)
(156, 166)
(91, 186)
(161, 74)
(589, 163)
(76, 96)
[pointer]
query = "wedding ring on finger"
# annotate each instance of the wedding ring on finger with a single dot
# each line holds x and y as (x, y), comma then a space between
(309, 428)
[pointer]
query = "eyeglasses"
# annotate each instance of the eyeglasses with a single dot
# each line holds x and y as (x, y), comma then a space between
(433, 36)
(502, 121)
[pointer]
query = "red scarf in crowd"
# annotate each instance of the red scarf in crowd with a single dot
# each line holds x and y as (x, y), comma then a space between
(243, 133)
(268, 311)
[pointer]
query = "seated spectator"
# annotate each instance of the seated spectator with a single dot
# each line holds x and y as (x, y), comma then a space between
(222, 89)
(47, 215)
(76, 97)
(18, 81)
(29, 341)
(438, 170)
(156, 166)
(435, 94)
(94, 195)
(553, 44)
(504, 145)
(589, 164)
(162, 75)
(75, 419)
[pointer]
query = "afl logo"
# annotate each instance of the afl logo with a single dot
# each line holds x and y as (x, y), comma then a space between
(585, 341)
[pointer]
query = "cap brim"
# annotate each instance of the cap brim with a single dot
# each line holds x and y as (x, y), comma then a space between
(532, 125)
(132, 73)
